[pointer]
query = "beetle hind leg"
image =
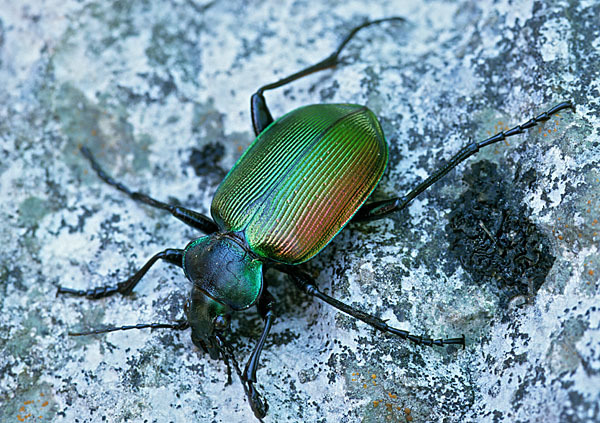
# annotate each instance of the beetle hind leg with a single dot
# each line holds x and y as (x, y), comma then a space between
(261, 116)
(380, 209)
(307, 284)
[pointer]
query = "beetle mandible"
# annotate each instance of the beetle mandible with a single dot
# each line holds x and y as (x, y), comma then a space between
(304, 178)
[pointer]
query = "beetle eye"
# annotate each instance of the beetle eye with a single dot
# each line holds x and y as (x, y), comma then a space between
(221, 322)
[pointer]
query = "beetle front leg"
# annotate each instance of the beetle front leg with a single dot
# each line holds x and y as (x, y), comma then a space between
(261, 116)
(170, 255)
(380, 209)
(265, 309)
(189, 217)
(307, 284)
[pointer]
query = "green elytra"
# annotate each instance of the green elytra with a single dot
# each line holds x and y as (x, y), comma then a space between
(290, 193)
(301, 181)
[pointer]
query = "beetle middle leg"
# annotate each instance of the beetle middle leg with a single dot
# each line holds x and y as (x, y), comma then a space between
(380, 209)
(261, 116)
(189, 217)
(307, 284)
(170, 255)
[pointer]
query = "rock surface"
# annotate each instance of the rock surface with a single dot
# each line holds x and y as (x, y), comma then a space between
(159, 91)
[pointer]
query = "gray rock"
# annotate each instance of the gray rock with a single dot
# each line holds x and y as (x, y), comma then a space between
(159, 90)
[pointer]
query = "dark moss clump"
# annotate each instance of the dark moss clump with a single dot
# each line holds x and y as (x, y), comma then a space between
(205, 161)
(490, 234)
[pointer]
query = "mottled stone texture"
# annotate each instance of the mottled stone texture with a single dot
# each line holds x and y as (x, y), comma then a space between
(160, 90)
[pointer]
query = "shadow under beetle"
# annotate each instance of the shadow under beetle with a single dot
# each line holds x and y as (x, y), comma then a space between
(305, 176)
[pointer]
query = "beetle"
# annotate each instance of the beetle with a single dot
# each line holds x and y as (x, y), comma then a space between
(303, 179)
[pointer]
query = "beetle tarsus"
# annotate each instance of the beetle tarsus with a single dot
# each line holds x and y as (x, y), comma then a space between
(330, 61)
(257, 403)
(228, 365)
(92, 294)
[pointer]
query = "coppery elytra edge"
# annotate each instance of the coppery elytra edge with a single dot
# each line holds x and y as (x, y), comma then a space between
(305, 176)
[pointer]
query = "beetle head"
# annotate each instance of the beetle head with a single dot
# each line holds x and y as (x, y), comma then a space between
(225, 278)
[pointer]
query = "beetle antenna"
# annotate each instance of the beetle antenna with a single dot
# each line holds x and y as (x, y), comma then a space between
(181, 325)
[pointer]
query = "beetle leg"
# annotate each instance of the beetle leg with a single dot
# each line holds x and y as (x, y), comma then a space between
(257, 403)
(228, 365)
(379, 209)
(261, 116)
(265, 309)
(307, 284)
(189, 217)
(170, 255)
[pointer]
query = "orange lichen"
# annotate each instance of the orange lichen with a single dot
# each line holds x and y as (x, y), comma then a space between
(387, 401)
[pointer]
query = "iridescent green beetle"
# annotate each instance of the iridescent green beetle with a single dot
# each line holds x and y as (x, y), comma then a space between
(305, 177)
